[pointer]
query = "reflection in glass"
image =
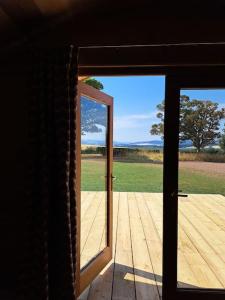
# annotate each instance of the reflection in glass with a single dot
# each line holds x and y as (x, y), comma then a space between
(201, 228)
(93, 179)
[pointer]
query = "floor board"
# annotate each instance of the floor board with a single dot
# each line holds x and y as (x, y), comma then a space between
(135, 272)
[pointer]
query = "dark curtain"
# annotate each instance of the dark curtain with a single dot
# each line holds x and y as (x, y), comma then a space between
(48, 270)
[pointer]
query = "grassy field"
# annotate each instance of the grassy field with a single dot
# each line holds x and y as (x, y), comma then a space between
(147, 177)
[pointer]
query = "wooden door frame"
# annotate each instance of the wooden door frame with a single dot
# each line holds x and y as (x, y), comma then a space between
(214, 78)
(185, 68)
(87, 274)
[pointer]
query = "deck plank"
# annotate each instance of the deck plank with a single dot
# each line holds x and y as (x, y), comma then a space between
(96, 240)
(145, 282)
(87, 222)
(198, 255)
(105, 278)
(153, 240)
(86, 198)
(214, 212)
(135, 271)
(123, 281)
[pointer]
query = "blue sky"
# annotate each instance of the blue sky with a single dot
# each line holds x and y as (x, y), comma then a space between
(135, 100)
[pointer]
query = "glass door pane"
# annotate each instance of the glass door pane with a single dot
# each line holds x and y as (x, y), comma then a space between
(201, 204)
(94, 132)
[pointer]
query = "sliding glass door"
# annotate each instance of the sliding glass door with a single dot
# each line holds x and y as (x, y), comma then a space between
(194, 186)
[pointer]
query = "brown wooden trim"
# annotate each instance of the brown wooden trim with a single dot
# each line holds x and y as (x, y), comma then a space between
(206, 78)
(122, 71)
(170, 188)
(153, 56)
(182, 71)
(200, 294)
(94, 94)
(94, 267)
(110, 176)
(78, 188)
(88, 273)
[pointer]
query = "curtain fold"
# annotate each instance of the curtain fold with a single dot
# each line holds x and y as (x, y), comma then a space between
(49, 265)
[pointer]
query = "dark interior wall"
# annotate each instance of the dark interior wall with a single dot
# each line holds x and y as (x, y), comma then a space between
(127, 22)
(14, 128)
(130, 22)
(132, 29)
(142, 22)
(104, 26)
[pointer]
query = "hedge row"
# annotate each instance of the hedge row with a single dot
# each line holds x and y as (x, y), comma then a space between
(117, 151)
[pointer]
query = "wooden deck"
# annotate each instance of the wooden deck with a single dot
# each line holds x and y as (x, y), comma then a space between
(136, 269)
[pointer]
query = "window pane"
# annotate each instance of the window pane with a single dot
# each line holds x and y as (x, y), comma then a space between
(93, 179)
(201, 229)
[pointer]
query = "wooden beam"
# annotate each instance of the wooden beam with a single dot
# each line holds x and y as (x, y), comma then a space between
(153, 56)
(115, 30)
(93, 23)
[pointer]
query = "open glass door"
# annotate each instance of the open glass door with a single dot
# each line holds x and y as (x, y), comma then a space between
(194, 188)
(94, 184)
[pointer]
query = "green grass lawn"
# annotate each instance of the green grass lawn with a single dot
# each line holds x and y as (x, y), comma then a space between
(146, 177)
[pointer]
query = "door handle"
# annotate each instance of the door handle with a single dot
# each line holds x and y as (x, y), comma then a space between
(113, 178)
(181, 195)
(173, 194)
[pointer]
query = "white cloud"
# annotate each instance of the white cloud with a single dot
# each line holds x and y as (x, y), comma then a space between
(134, 121)
(221, 105)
